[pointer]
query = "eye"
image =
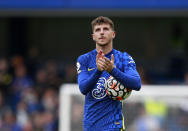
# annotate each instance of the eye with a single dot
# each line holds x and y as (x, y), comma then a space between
(106, 28)
(97, 30)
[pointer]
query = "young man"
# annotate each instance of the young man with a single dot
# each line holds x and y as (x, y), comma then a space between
(101, 113)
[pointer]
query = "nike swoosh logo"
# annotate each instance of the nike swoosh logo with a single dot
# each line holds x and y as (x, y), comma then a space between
(90, 69)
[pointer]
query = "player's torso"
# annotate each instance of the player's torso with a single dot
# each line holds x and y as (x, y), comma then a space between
(99, 107)
(98, 91)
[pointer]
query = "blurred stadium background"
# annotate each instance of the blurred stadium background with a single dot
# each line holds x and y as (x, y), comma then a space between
(41, 40)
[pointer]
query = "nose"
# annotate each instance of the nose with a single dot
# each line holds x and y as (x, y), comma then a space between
(102, 32)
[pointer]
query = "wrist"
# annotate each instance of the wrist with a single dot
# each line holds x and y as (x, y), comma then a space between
(111, 69)
(99, 70)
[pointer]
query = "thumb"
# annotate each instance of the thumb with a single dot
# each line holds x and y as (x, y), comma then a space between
(112, 58)
(97, 57)
(100, 52)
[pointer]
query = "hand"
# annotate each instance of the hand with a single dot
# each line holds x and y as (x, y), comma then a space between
(99, 60)
(109, 64)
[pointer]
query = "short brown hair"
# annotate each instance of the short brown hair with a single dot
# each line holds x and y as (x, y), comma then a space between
(102, 20)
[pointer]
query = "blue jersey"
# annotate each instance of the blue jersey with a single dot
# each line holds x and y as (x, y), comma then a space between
(100, 111)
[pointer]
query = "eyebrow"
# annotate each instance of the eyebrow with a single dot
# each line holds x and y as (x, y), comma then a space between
(106, 28)
(97, 29)
(103, 28)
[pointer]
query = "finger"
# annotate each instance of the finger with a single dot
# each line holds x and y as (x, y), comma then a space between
(100, 65)
(97, 57)
(103, 63)
(100, 52)
(102, 55)
(100, 62)
(112, 58)
(102, 59)
(107, 61)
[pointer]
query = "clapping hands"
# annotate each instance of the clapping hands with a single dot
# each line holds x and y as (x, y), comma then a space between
(103, 63)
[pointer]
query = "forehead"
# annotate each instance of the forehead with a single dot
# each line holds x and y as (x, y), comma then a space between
(102, 26)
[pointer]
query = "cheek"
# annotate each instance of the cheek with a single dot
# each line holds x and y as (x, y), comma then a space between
(95, 37)
(112, 35)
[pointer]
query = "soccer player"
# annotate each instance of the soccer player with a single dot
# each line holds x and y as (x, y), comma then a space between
(101, 113)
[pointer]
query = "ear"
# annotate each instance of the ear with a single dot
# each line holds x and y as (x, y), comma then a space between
(93, 36)
(114, 34)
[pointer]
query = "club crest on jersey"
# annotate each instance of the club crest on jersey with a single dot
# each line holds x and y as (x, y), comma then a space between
(99, 92)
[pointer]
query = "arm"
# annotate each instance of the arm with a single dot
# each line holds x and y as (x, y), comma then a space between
(85, 81)
(130, 77)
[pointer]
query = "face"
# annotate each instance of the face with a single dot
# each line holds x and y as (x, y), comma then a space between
(103, 34)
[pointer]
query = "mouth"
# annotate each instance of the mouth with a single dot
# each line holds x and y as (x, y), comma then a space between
(102, 38)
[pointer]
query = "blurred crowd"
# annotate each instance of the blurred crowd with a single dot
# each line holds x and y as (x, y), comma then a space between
(156, 115)
(143, 114)
(171, 76)
(29, 93)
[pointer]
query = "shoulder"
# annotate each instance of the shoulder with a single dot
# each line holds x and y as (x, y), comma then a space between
(120, 53)
(128, 58)
(85, 57)
(124, 56)
(83, 60)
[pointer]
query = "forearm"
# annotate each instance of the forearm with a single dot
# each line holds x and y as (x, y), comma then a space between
(130, 79)
(86, 82)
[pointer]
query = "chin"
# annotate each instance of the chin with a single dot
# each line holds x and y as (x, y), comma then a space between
(102, 44)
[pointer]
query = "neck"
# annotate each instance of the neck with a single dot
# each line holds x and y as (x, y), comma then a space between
(104, 48)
